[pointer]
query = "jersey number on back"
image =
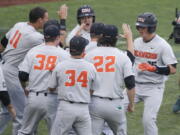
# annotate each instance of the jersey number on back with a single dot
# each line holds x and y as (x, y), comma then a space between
(104, 64)
(82, 78)
(45, 62)
(15, 39)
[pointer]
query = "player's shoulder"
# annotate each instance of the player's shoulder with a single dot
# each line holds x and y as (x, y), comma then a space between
(138, 39)
(162, 41)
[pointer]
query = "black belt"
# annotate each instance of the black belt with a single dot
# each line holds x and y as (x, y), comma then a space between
(109, 98)
(104, 98)
(72, 102)
(37, 93)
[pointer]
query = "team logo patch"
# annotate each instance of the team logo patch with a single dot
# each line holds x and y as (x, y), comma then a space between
(141, 19)
(85, 10)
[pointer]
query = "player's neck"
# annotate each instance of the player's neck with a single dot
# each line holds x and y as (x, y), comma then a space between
(77, 57)
(36, 26)
(149, 37)
(50, 44)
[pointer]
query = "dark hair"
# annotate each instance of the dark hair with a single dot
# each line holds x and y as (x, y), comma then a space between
(36, 13)
(50, 39)
(108, 41)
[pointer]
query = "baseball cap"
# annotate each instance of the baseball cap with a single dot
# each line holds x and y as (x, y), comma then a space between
(97, 28)
(77, 45)
(110, 31)
(51, 31)
(52, 22)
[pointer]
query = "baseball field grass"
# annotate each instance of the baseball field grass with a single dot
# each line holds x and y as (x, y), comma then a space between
(117, 12)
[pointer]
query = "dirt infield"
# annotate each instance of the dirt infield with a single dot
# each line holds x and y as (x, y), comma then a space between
(4, 3)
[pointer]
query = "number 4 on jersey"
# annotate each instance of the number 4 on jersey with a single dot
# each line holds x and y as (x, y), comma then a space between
(82, 78)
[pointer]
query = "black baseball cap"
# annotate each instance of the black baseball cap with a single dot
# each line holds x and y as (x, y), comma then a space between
(97, 28)
(77, 45)
(110, 31)
(51, 31)
(52, 22)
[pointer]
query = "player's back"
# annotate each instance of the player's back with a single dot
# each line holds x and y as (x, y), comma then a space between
(39, 63)
(21, 38)
(112, 66)
(75, 78)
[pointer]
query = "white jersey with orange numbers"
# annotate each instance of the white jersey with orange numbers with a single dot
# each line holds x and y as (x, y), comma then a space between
(112, 66)
(156, 52)
(2, 81)
(39, 63)
(74, 78)
(90, 46)
(83, 34)
(21, 38)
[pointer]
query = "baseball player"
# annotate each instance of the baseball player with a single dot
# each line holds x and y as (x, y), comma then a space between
(36, 69)
(75, 80)
(96, 32)
(4, 96)
(154, 61)
(85, 18)
(114, 69)
(18, 40)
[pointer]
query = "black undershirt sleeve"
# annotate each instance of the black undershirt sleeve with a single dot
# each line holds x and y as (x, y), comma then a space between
(131, 57)
(4, 41)
(129, 82)
(23, 76)
(4, 97)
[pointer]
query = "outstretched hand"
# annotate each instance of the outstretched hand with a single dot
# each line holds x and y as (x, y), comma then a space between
(147, 67)
(63, 12)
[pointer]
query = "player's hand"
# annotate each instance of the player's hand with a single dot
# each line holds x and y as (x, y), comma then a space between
(147, 67)
(130, 107)
(80, 29)
(12, 111)
(63, 12)
(127, 33)
(26, 92)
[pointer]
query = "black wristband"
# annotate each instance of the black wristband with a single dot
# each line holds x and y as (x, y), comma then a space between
(63, 24)
(163, 70)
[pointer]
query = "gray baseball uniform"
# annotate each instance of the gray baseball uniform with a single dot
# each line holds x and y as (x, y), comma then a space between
(38, 63)
(21, 37)
(150, 85)
(74, 78)
(112, 66)
(83, 34)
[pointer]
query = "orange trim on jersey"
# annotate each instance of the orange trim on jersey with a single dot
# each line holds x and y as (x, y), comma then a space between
(15, 39)
(145, 54)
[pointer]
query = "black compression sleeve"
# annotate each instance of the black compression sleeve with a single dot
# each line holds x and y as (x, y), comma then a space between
(163, 70)
(63, 24)
(23, 76)
(131, 57)
(130, 82)
(4, 97)
(4, 41)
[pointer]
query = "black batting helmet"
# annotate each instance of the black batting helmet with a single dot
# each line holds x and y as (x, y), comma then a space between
(148, 20)
(84, 11)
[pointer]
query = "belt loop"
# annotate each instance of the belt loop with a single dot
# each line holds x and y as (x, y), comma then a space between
(37, 93)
